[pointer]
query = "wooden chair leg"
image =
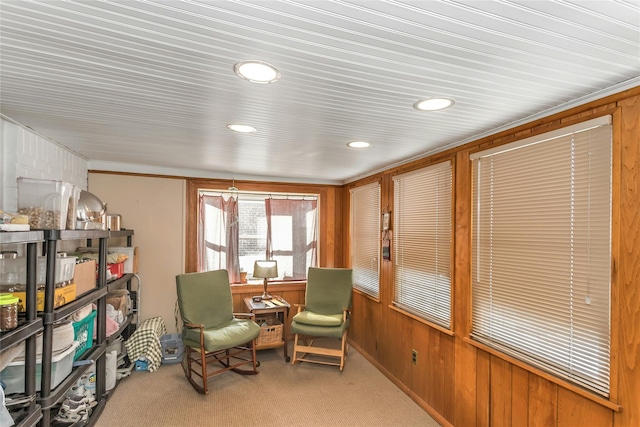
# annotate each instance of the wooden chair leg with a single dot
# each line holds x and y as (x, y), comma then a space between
(295, 352)
(344, 350)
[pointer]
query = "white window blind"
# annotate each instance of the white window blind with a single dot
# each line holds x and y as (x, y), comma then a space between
(541, 252)
(365, 238)
(422, 242)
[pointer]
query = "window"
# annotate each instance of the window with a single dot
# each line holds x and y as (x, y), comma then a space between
(365, 238)
(541, 251)
(236, 229)
(422, 242)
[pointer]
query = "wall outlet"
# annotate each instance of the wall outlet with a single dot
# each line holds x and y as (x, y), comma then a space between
(414, 357)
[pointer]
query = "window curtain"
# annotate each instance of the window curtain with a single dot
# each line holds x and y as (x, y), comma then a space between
(292, 236)
(218, 241)
(422, 242)
(365, 238)
(541, 251)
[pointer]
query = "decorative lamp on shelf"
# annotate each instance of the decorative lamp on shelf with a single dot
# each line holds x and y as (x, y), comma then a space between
(267, 269)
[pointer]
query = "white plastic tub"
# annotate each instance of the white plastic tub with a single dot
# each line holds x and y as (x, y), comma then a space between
(61, 365)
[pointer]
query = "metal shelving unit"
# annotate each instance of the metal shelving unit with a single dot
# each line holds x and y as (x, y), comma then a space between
(27, 331)
(50, 397)
(38, 410)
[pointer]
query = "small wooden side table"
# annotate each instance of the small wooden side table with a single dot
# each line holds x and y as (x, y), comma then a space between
(280, 308)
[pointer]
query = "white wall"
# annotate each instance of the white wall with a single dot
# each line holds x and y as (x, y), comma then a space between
(27, 154)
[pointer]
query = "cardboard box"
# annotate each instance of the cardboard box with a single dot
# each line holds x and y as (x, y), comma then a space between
(131, 264)
(84, 276)
(120, 300)
(61, 297)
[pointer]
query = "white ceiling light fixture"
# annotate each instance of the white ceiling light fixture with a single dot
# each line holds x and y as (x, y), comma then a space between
(358, 144)
(257, 72)
(433, 104)
(241, 128)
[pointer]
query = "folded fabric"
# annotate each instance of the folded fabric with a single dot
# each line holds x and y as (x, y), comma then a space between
(82, 313)
(111, 326)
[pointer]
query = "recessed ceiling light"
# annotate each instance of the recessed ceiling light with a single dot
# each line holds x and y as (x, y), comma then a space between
(257, 71)
(433, 104)
(358, 144)
(242, 128)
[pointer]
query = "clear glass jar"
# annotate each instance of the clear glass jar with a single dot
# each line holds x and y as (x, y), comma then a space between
(8, 268)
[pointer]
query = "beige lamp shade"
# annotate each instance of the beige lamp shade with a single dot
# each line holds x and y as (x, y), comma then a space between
(266, 269)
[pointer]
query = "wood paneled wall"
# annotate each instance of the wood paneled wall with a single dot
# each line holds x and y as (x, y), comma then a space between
(464, 384)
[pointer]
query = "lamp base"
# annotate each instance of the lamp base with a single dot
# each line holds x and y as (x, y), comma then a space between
(266, 297)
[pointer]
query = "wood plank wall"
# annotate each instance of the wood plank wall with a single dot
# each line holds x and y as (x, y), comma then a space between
(464, 384)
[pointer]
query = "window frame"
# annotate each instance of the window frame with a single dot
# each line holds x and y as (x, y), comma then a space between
(369, 288)
(328, 250)
(518, 357)
(434, 319)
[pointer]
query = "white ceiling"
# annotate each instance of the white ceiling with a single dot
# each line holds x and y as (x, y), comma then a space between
(148, 86)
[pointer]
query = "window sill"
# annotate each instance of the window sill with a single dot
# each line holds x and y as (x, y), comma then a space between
(359, 292)
(238, 288)
(539, 372)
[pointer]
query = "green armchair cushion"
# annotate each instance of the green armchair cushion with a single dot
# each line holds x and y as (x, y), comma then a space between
(231, 334)
(319, 331)
(317, 319)
(328, 295)
(329, 290)
(204, 298)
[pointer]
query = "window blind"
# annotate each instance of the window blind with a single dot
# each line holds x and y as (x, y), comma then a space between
(541, 252)
(422, 242)
(365, 238)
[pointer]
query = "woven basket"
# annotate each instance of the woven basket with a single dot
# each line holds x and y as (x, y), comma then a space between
(271, 332)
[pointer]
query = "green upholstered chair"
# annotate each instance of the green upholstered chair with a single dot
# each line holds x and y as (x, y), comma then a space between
(211, 332)
(324, 314)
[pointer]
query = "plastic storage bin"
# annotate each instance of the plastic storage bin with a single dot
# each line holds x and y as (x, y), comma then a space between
(61, 364)
(46, 202)
(172, 348)
(65, 268)
(83, 334)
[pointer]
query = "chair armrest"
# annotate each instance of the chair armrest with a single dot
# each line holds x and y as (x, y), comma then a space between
(300, 307)
(193, 326)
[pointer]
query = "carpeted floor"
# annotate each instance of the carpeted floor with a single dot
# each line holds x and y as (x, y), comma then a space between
(281, 394)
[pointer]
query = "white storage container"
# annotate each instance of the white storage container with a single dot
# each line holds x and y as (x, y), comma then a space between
(46, 202)
(61, 365)
(65, 268)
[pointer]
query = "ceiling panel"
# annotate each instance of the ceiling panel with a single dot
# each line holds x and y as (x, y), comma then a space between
(142, 86)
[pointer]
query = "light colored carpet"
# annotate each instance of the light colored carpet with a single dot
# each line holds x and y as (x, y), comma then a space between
(282, 394)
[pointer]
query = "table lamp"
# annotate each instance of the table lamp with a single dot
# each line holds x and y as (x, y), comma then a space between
(266, 269)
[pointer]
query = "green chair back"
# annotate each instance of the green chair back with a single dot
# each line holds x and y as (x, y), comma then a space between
(329, 290)
(205, 298)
